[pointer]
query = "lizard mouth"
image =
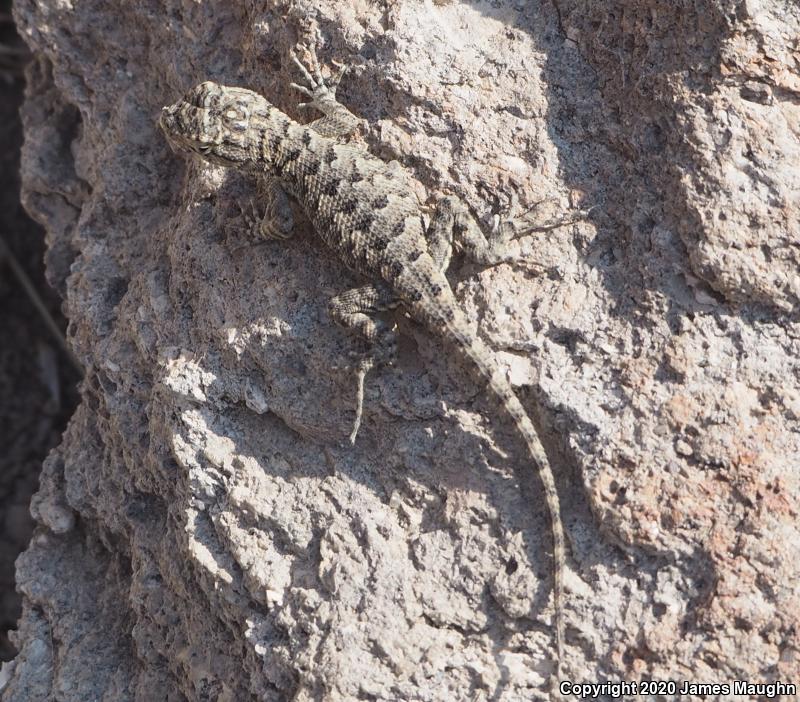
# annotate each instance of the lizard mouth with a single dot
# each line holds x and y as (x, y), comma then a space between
(166, 122)
(166, 119)
(180, 122)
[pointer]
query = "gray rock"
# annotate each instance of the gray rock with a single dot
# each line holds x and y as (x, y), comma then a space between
(206, 532)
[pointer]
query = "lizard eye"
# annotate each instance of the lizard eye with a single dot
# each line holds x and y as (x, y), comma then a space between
(236, 117)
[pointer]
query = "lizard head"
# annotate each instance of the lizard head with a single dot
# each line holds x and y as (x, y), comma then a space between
(211, 120)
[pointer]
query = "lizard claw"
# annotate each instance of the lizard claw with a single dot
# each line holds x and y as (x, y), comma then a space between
(523, 227)
(302, 89)
(309, 78)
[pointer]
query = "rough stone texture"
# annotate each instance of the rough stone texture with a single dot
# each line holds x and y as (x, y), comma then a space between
(205, 533)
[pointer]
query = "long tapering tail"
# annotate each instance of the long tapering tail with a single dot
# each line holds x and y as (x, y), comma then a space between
(484, 360)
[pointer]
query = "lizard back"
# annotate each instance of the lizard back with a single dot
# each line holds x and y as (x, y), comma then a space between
(365, 211)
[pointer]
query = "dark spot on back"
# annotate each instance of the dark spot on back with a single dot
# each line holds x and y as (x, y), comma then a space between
(459, 227)
(395, 270)
(330, 155)
(399, 228)
(293, 155)
(349, 206)
(275, 141)
(355, 176)
(312, 168)
(331, 187)
(380, 202)
(306, 137)
(380, 243)
(436, 290)
(414, 255)
(415, 296)
(364, 221)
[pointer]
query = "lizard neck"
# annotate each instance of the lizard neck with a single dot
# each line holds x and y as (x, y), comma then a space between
(278, 145)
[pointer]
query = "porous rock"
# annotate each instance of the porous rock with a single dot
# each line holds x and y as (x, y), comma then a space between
(205, 531)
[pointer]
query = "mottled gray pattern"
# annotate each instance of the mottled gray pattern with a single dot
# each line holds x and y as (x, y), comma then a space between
(372, 221)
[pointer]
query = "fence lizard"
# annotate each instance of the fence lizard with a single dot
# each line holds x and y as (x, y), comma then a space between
(363, 209)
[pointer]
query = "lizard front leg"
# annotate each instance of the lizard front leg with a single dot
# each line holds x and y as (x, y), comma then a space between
(277, 220)
(357, 310)
(274, 218)
(267, 216)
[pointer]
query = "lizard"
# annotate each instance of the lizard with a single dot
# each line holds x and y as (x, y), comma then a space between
(364, 211)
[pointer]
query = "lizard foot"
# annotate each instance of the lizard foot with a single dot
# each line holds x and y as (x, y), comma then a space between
(384, 354)
(322, 93)
(358, 311)
(515, 224)
(509, 225)
(266, 216)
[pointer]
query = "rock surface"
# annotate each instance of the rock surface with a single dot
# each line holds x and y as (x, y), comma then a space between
(205, 532)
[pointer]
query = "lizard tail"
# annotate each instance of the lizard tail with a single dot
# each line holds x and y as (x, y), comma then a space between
(524, 425)
(483, 358)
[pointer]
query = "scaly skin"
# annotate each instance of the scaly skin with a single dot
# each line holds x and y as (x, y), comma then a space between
(363, 209)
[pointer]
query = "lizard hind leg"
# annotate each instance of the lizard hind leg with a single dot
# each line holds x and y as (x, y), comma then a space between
(439, 234)
(491, 249)
(453, 224)
(357, 310)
